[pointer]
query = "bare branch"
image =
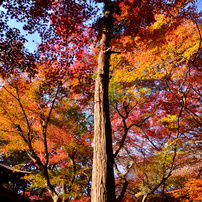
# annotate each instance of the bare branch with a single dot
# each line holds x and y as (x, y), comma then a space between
(125, 185)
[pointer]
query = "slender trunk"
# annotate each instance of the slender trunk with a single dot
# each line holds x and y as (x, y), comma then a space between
(49, 187)
(64, 189)
(103, 186)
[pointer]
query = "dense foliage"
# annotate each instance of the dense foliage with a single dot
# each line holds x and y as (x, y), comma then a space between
(155, 95)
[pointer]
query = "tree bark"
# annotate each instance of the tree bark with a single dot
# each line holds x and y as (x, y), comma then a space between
(103, 186)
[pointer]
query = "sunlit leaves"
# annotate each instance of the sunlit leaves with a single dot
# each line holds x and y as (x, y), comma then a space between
(191, 191)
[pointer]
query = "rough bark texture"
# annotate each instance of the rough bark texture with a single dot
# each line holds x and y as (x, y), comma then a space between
(103, 188)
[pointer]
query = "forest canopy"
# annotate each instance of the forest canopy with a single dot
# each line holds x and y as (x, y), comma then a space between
(108, 108)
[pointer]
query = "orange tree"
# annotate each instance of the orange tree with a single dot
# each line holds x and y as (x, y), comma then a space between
(41, 117)
(155, 98)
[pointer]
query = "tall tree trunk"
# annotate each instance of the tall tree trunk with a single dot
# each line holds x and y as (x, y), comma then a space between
(103, 186)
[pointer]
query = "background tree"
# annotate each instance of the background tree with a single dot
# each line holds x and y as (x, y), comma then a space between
(43, 118)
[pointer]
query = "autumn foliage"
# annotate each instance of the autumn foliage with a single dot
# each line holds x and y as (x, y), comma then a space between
(155, 94)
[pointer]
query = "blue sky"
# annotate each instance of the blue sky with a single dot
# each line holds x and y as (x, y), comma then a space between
(33, 39)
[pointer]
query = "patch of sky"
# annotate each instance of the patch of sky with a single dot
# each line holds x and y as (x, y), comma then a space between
(32, 39)
(199, 5)
(97, 7)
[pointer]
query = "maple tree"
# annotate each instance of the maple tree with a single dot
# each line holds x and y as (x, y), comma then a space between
(37, 116)
(53, 142)
(147, 82)
(151, 129)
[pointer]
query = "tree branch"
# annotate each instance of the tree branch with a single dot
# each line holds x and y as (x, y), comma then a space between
(45, 125)
(125, 185)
